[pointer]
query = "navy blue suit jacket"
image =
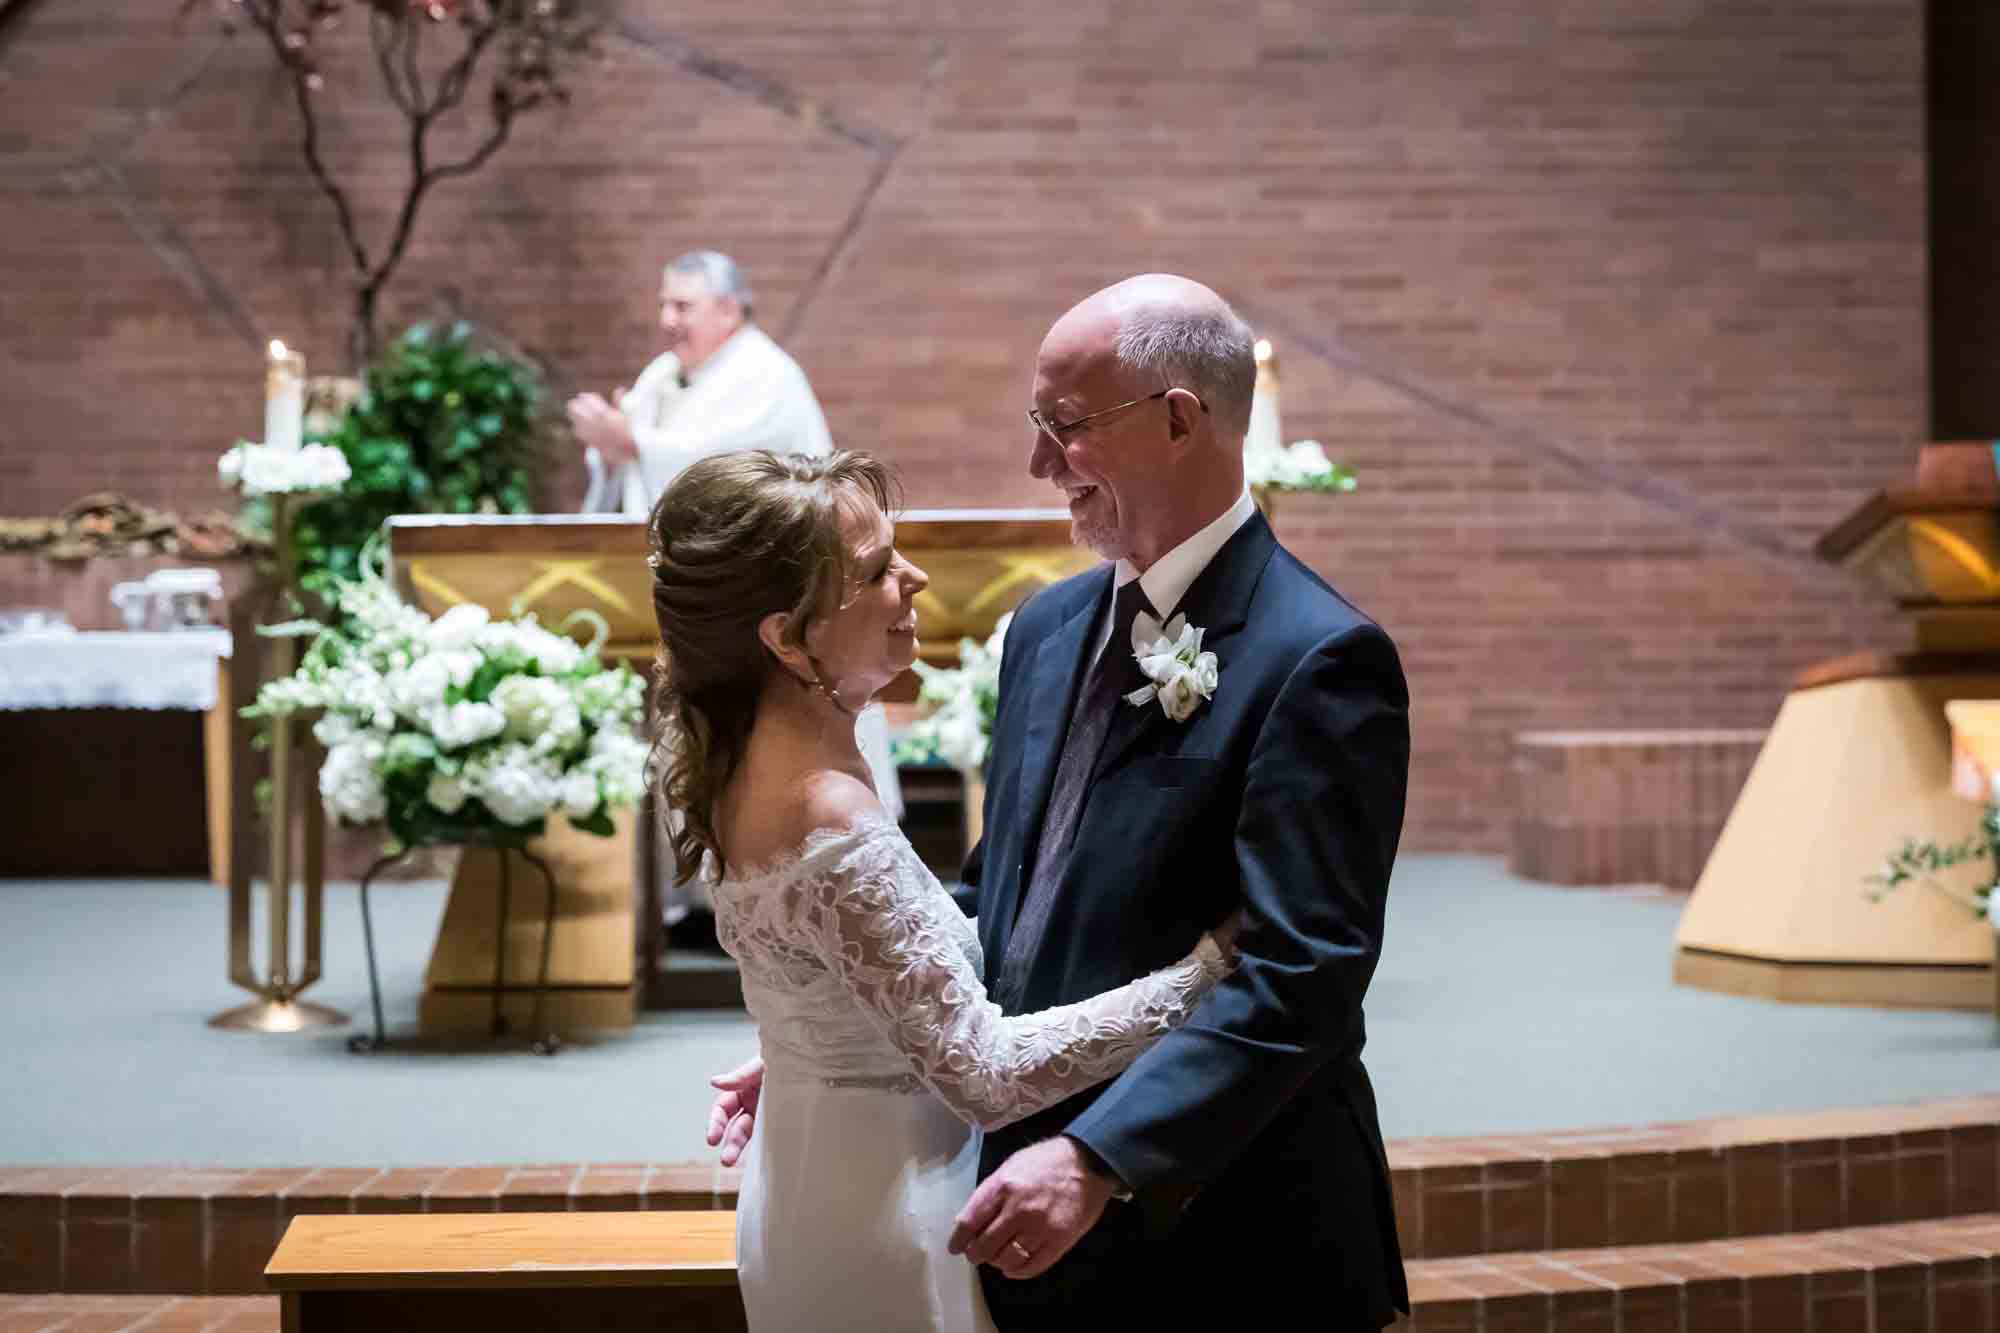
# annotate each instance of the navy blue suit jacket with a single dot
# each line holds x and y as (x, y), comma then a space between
(1249, 1136)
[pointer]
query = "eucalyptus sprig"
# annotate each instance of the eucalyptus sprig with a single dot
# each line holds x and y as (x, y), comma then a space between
(1922, 860)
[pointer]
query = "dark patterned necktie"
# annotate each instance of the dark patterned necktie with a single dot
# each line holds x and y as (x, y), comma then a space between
(1111, 677)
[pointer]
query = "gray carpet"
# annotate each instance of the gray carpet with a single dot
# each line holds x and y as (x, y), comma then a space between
(1500, 1005)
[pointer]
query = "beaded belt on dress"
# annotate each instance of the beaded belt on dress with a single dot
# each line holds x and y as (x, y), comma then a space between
(905, 1083)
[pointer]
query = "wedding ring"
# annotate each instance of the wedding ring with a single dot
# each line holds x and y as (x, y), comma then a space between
(1017, 1247)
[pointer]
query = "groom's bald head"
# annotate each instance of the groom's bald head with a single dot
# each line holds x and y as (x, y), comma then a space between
(1142, 477)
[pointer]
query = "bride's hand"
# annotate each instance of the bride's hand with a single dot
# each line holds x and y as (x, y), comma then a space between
(733, 1118)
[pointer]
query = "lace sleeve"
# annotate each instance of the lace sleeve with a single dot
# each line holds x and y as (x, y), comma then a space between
(880, 922)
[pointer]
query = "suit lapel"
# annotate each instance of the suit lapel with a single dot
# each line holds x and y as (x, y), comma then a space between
(1219, 602)
(1052, 680)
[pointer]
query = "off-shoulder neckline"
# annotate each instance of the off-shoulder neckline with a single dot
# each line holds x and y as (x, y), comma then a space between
(814, 845)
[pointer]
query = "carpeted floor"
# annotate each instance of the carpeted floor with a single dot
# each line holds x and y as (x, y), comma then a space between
(1500, 1005)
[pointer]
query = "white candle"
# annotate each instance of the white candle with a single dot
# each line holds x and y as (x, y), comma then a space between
(284, 397)
(1265, 435)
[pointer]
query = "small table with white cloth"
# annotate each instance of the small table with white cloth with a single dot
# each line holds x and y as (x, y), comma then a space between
(101, 735)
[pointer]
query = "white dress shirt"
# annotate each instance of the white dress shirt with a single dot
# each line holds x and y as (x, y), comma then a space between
(1169, 577)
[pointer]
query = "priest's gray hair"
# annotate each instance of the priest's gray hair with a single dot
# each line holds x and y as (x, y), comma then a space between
(719, 271)
(1208, 349)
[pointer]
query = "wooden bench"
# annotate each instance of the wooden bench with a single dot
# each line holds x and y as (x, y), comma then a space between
(501, 1271)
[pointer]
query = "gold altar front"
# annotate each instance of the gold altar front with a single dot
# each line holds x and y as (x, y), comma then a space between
(607, 946)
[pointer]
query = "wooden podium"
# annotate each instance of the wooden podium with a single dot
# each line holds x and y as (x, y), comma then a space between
(550, 565)
(982, 563)
(1858, 759)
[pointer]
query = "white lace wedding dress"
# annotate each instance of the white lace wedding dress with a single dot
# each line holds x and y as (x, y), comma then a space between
(880, 1050)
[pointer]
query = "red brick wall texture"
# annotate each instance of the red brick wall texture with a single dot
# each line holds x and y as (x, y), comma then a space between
(1614, 305)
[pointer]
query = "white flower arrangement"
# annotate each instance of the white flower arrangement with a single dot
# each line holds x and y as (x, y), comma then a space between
(960, 704)
(1184, 677)
(463, 723)
(270, 469)
(1299, 466)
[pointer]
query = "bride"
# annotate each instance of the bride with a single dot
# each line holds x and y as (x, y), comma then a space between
(783, 607)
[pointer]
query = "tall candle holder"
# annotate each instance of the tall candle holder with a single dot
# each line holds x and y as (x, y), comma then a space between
(296, 854)
(285, 472)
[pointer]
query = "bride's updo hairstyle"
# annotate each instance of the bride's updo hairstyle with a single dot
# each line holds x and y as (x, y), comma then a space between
(736, 537)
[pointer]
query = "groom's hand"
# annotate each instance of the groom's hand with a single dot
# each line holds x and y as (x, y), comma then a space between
(733, 1118)
(1043, 1199)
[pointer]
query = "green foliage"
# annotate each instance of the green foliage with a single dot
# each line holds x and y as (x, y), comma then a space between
(1922, 860)
(446, 426)
(1339, 479)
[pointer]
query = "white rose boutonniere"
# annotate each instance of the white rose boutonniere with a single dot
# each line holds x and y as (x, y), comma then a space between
(1183, 676)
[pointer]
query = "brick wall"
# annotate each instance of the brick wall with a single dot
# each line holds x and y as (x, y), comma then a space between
(1615, 306)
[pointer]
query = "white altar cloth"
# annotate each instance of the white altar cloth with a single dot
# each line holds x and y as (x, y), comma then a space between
(111, 669)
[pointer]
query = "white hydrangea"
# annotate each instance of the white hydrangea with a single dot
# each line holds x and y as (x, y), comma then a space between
(517, 785)
(609, 696)
(1295, 464)
(457, 629)
(961, 741)
(445, 793)
(461, 724)
(618, 761)
(538, 710)
(554, 654)
(418, 688)
(262, 469)
(350, 782)
(578, 793)
(333, 728)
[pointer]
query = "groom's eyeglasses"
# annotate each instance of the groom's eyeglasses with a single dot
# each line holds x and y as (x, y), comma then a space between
(1055, 430)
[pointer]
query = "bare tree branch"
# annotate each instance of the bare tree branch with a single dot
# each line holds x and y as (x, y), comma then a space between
(471, 163)
(413, 33)
(384, 33)
(540, 37)
(270, 18)
(458, 75)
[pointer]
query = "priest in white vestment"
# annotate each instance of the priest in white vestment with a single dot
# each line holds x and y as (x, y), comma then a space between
(720, 385)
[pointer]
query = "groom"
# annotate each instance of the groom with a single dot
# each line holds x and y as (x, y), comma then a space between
(1238, 1165)
(1239, 1160)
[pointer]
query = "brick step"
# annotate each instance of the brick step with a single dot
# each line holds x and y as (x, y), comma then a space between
(153, 1314)
(210, 1231)
(1697, 1180)
(1917, 1277)
(1933, 1276)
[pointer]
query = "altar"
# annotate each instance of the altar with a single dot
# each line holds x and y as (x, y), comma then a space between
(608, 946)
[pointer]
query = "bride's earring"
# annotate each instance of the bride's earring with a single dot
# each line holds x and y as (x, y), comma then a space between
(828, 693)
(819, 686)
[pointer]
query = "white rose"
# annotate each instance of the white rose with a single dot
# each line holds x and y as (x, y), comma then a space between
(349, 784)
(618, 757)
(555, 654)
(322, 467)
(420, 687)
(578, 793)
(466, 723)
(333, 728)
(537, 709)
(1309, 457)
(230, 466)
(445, 793)
(1206, 674)
(1178, 696)
(517, 790)
(457, 629)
